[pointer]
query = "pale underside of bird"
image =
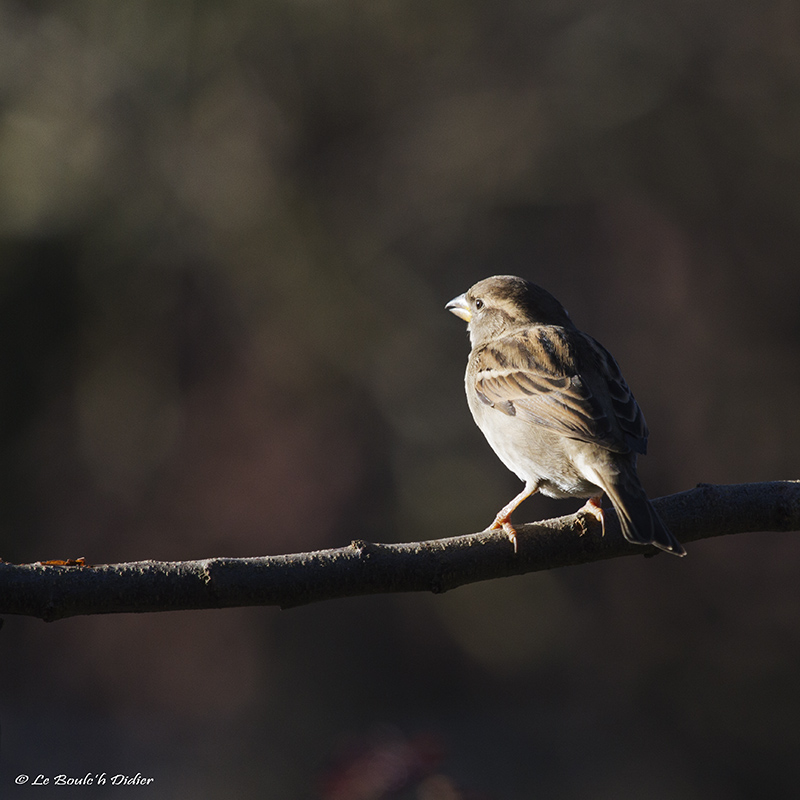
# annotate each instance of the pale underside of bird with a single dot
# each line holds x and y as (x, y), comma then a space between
(553, 405)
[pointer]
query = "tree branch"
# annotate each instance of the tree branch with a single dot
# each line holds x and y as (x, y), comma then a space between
(54, 592)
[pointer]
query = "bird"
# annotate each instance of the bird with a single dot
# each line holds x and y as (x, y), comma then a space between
(553, 405)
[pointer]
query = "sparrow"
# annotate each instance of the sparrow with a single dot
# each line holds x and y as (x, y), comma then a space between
(553, 404)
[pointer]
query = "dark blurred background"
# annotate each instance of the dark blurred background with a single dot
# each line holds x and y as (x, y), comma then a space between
(227, 235)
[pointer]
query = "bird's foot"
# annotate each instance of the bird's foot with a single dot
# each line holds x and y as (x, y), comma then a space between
(508, 530)
(592, 507)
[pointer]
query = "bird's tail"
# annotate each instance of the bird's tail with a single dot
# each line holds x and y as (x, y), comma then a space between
(638, 519)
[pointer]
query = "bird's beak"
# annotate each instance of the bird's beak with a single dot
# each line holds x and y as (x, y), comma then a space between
(460, 307)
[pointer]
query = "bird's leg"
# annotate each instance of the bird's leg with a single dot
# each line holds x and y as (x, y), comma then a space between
(593, 506)
(501, 520)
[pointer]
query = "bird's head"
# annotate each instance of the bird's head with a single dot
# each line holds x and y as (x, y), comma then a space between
(504, 303)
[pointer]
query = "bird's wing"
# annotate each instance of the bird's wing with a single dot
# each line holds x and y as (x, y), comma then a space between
(563, 380)
(624, 407)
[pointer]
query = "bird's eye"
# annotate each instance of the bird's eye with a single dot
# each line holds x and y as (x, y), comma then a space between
(479, 304)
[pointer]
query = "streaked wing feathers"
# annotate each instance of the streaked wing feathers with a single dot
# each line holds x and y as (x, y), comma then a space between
(626, 409)
(563, 380)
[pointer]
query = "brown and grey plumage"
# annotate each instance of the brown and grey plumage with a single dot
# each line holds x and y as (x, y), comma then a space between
(554, 406)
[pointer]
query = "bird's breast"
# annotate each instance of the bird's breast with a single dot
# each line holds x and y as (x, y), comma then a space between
(533, 452)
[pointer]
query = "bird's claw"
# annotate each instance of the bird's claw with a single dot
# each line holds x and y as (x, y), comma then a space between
(508, 530)
(593, 508)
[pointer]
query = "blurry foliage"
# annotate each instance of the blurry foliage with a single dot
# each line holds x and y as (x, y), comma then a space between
(228, 231)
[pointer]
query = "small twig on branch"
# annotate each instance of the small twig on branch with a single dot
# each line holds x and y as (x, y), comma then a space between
(54, 592)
